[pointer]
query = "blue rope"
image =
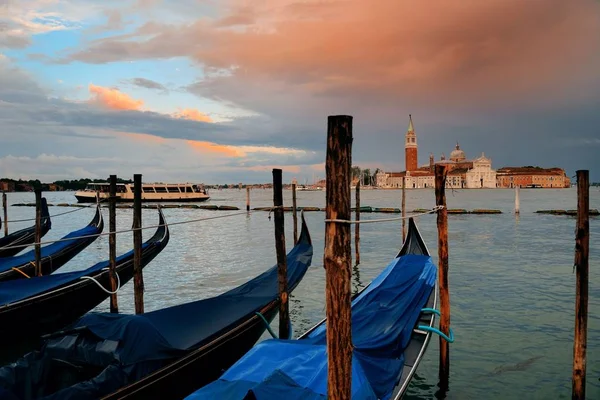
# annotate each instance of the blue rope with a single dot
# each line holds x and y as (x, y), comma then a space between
(436, 330)
(271, 330)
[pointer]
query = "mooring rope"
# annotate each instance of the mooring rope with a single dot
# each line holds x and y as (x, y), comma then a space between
(100, 285)
(78, 208)
(372, 221)
(125, 230)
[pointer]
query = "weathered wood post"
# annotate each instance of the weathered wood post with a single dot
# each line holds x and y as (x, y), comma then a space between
(442, 225)
(284, 311)
(582, 243)
(403, 209)
(295, 213)
(517, 200)
(138, 279)
(5, 207)
(38, 231)
(357, 226)
(337, 259)
(112, 242)
(248, 198)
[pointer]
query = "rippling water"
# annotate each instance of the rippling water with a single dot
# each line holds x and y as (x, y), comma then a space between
(512, 286)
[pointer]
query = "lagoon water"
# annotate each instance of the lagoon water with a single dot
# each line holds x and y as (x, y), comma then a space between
(512, 286)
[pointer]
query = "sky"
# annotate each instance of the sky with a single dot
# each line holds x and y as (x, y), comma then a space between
(223, 91)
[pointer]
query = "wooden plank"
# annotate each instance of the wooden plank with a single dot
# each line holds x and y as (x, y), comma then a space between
(284, 311)
(138, 279)
(112, 242)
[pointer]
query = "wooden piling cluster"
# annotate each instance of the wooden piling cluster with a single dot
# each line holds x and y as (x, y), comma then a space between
(295, 213)
(582, 243)
(337, 258)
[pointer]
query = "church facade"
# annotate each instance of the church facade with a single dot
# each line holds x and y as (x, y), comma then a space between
(462, 173)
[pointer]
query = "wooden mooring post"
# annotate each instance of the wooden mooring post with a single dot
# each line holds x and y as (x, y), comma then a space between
(337, 259)
(295, 213)
(138, 279)
(582, 243)
(5, 207)
(248, 198)
(38, 231)
(357, 226)
(112, 242)
(517, 201)
(403, 210)
(284, 311)
(442, 225)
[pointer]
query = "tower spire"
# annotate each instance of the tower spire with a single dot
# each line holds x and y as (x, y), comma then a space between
(411, 128)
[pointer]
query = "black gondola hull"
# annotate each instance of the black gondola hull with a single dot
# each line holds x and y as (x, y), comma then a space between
(202, 366)
(19, 240)
(53, 262)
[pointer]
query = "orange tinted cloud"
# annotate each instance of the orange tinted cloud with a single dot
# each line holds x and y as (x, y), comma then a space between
(209, 147)
(113, 98)
(193, 114)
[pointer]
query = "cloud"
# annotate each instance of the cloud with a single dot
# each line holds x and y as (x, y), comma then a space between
(148, 84)
(113, 98)
(193, 114)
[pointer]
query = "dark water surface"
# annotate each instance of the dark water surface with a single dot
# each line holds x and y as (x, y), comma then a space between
(512, 286)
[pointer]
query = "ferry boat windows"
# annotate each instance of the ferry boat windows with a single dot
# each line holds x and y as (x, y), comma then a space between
(160, 189)
(172, 189)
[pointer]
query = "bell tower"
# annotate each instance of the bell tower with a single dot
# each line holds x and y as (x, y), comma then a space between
(410, 147)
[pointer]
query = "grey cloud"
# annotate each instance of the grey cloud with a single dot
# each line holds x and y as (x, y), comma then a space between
(148, 84)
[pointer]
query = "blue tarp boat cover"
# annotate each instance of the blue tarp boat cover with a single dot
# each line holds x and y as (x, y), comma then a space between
(126, 348)
(7, 263)
(383, 317)
(19, 289)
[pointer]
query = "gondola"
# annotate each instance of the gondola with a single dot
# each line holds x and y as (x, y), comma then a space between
(54, 255)
(392, 321)
(40, 305)
(15, 242)
(164, 353)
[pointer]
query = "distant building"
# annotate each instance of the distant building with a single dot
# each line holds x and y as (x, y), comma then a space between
(462, 173)
(510, 177)
(7, 186)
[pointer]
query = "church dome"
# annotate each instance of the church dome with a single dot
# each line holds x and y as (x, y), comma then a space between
(457, 154)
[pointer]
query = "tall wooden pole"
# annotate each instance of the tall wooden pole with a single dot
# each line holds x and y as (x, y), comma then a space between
(295, 213)
(5, 207)
(284, 311)
(442, 225)
(582, 243)
(138, 279)
(248, 198)
(38, 231)
(357, 226)
(112, 242)
(517, 200)
(403, 209)
(337, 259)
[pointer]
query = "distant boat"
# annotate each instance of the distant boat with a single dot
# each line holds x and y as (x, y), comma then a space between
(151, 192)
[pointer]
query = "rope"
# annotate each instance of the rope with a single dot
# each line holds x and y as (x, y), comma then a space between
(21, 272)
(100, 285)
(372, 221)
(271, 330)
(59, 214)
(273, 209)
(435, 330)
(126, 230)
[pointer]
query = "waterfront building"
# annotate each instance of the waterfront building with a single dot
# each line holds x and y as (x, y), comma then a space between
(532, 177)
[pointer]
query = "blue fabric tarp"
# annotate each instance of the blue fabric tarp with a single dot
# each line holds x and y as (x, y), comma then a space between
(383, 317)
(7, 263)
(19, 289)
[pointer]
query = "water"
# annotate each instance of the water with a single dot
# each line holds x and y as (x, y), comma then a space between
(512, 286)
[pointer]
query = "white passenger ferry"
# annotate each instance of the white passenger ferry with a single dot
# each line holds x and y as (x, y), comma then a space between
(151, 192)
